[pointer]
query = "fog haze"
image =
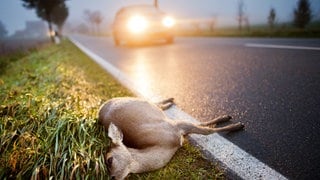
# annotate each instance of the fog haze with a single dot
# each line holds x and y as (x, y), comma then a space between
(13, 15)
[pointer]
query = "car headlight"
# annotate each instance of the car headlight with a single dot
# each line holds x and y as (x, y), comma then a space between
(137, 24)
(168, 21)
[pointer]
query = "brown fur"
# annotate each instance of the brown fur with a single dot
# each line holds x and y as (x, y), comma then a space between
(143, 137)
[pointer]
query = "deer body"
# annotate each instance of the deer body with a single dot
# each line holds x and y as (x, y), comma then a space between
(143, 137)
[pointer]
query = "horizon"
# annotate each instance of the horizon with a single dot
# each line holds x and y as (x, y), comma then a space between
(223, 12)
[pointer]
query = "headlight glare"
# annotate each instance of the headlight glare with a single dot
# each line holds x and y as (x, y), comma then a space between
(137, 24)
(168, 21)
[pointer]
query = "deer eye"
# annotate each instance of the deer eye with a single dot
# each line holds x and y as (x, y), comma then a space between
(109, 163)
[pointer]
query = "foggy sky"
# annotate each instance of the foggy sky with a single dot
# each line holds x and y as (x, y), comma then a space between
(13, 15)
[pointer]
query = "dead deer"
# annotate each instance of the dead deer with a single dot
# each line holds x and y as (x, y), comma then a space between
(143, 137)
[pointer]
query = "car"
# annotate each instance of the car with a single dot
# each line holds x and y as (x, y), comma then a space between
(140, 23)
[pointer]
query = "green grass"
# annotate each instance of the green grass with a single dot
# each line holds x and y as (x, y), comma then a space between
(49, 99)
(264, 33)
(284, 30)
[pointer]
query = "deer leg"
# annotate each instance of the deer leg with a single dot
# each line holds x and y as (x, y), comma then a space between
(165, 104)
(216, 120)
(232, 127)
(189, 128)
(169, 100)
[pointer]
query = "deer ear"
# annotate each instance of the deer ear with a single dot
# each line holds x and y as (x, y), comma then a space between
(115, 134)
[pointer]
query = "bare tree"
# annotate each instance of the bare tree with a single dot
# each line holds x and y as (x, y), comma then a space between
(272, 18)
(97, 19)
(246, 22)
(88, 18)
(196, 26)
(94, 18)
(212, 23)
(241, 14)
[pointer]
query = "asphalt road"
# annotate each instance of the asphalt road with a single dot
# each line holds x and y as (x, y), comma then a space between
(274, 90)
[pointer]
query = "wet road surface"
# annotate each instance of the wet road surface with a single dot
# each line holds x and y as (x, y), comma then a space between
(273, 90)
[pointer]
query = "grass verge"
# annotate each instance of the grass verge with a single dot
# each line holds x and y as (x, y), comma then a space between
(261, 31)
(49, 99)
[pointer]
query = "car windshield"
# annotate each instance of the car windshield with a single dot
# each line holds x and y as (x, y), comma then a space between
(144, 10)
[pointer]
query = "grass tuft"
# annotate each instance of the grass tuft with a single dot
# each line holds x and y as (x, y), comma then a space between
(49, 99)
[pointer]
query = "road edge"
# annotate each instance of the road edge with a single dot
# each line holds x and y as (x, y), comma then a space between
(237, 163)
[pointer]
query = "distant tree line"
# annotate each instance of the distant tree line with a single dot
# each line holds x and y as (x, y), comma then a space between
(302, 15)
(55, 12)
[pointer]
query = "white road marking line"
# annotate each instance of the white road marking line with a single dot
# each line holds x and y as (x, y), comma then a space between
(230, 156)
(281, 46)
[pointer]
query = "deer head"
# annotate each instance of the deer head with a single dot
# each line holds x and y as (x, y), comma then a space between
(118, 159)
